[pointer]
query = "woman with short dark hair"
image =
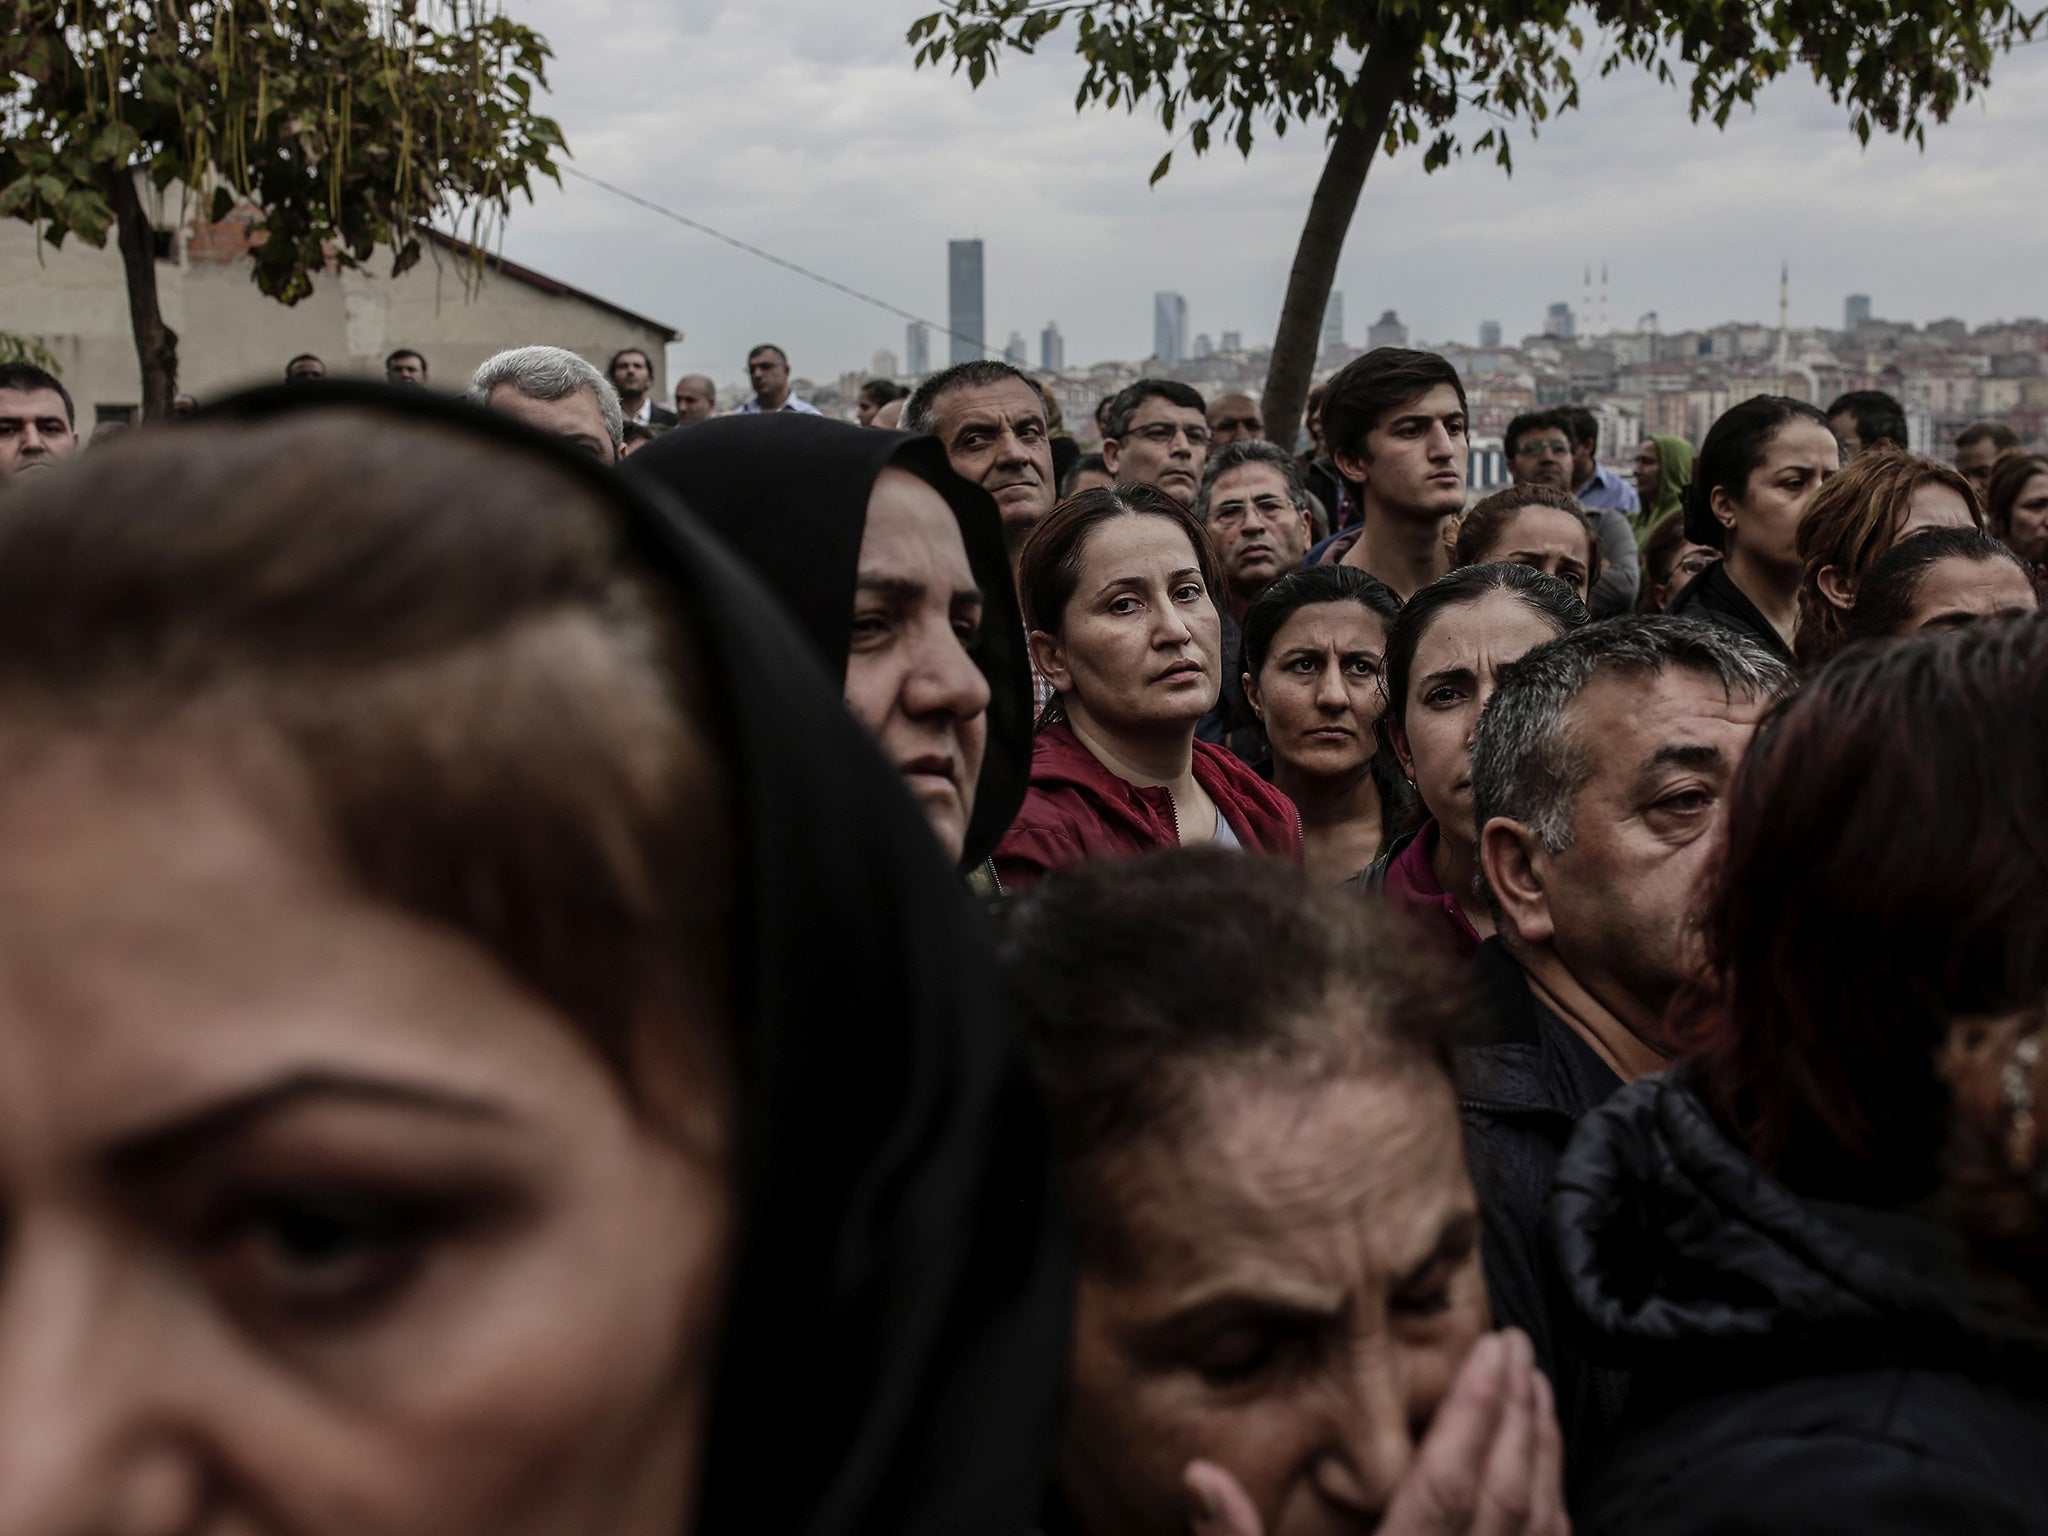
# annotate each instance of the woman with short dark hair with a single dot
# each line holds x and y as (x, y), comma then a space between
(1533, 525)
(1315, 645)
(1280, 1319)
(1942, 579)
(2016, 506)
(1119, 587)
(1444, 654)
(1821, 1337)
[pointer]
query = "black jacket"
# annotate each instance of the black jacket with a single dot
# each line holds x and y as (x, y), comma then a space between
(1796, 1367)
(1522, 1093)
(1712, 595)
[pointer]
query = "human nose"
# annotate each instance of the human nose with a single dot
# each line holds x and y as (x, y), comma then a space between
(1330, 690)
(1370, 1443)
(1010, 449)
(1170, 629)
(943, 680)
(79, 1455)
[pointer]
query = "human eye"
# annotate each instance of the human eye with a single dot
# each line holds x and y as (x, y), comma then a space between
(317, 1253)
(1303, 666)
(1124, 606)
(1188, 592)
(1443, 695)
(1238, 1355)
(869, 628)
(1363, 666)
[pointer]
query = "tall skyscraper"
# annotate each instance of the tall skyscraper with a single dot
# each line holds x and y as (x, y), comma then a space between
(1855, 310)
(917, 348)
(1204, 347)
(1387, 332)
(963, 301)
(1558, 323)
(1231, 341)
(1333, 321)
(1169, 327)
(1052, 348)
(883, 364)
(1489, 334)
(1017, 351)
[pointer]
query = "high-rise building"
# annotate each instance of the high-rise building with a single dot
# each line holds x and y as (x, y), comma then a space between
(917, 348)
(1855, 310)
(1052, 348)
(1387, 331)
(1231, 341)
(1333, 321)
(963, 301)
(1558, 323)
(1204, 347)
(1169, 327)
(1017, 351)
(1489, 334)
(882, 365)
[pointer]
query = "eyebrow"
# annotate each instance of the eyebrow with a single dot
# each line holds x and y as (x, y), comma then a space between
(1686, 755)
(1138, 581)
(903, 591)
(1448, 675)
(186, 1135)
(1460, 1231)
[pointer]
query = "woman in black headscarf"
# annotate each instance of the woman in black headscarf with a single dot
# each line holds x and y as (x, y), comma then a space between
(818, 509)
(415, 836)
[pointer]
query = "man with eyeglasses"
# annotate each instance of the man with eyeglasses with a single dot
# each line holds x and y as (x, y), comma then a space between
(1256, 510)
(1156, 432)
(1539, 450)
(1234, 419)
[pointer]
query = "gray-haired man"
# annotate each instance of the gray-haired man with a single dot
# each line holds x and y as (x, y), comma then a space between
(1600, 778)
(556, 392)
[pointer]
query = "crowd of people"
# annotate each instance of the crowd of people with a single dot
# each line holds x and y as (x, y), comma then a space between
(573, 967)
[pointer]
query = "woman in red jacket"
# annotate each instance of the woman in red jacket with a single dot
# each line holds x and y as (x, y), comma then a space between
(1118, 589)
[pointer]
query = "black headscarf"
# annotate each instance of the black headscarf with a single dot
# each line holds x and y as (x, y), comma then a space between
(789, 494)
(895, 1333)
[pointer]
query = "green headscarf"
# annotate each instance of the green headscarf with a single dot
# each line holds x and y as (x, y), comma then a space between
(1674, 471)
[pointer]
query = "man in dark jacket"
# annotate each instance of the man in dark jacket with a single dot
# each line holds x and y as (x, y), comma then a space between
(1598, 774)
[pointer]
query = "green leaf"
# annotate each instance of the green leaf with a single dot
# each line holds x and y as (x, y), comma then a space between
(1159, 170)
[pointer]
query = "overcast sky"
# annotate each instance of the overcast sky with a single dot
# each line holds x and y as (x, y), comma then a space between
(800, 126)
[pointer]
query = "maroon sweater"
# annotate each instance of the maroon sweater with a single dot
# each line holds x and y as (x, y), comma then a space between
(1077, 809)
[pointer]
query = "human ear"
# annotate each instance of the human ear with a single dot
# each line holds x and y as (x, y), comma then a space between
(1352, 466)
(1049, 656)
(1112, 454)
(1835, 587)
(1251, 697)
(1722, 505)
(1508, 856)
(1398, 740)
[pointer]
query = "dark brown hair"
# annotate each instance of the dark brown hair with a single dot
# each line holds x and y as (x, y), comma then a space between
(1885, 872)
(1490, 516)
(430, 646)
(1136, 979)
(1365, 389)
(2009, 477)
(1852, 520)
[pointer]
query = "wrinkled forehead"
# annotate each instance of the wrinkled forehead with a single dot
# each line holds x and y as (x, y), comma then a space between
(1342, 1176)
(32, 405)
(1006, 400)
(1245, 481)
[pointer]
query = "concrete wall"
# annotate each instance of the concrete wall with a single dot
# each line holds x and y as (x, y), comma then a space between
(74, 303)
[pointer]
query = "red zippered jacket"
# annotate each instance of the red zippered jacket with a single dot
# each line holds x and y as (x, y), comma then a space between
(1077, 809)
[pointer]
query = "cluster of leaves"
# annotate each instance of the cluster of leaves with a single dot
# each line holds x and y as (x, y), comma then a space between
(1225, 67)
(345, 122)
(19, 349)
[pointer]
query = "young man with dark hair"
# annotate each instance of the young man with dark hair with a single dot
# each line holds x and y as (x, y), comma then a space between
(38, 423)
(1977, 449)
(304, 368)
(1863, 418)
(406, 367)
(1156, 433)
(768, 372)
(631, 372)
(1394, 424)
(991, 420)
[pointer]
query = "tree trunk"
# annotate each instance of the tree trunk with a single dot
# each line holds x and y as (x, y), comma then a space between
(156, 344)
(1386, 69)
